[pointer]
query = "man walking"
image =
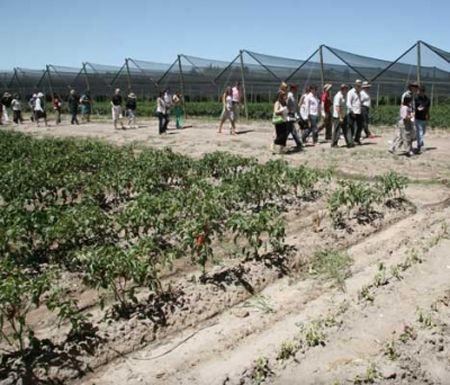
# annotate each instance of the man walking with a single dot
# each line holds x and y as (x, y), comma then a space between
(354, 111)
(340, 118)
(365, 108)
(422, 115)
(116, 109)
(73, 102)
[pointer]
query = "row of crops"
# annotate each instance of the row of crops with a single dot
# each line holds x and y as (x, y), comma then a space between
(120, 216)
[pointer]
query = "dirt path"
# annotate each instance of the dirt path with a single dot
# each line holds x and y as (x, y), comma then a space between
(222, 350)
(254, 140)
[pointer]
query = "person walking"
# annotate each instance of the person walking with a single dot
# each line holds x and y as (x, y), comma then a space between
(116, 109)
(31, 103)
(236, 97)
(422, 115)
(168, 102)
(326, 111)
(131, 106)
(354, 115)
(227, 112)
(161, 113)
(411, 93)
(365, 108)
(57, 104)
(86, 107)
(73, 102)
(279, 119)
(6, 102)
(17, 109)
(406, 131)
(39, 109)
(178, 108)
(292, 115)
(340, 118)
(312, 105)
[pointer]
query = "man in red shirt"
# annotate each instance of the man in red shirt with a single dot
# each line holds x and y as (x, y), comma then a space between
(326, 111)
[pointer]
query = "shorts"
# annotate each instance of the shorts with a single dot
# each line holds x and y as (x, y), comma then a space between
(116, 112)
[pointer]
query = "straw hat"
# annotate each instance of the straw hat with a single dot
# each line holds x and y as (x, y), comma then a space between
(327, 87)
(358, 82)
(366, 85)
(343, 85)
(283, 86)
(40, 95)
(132, 95)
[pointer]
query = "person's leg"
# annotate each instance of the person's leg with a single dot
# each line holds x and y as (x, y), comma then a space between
(359, 127)
(166, 121)
(419, 133)
(307, 131)
(328, 127)
(314, 129)
(348, 131)
(336, 132)
(293, 130)
(16, 117)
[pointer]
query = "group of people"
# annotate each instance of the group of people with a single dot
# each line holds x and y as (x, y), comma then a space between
(414, 114)
(164, 104)
(347, 114)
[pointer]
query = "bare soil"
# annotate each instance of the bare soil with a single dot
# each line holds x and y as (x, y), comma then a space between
(219, 331)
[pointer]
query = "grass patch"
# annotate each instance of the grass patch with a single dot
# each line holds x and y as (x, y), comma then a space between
(331, 265)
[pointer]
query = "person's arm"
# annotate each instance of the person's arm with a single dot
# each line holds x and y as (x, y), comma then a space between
(350, 103)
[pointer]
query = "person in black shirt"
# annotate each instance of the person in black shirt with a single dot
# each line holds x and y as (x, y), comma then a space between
(422, 115)
(74, 102)
(116, 104)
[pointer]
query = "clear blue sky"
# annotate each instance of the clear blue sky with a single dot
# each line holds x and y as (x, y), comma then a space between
(35, 33)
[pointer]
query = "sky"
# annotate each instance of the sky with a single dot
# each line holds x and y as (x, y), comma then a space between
(36, 33)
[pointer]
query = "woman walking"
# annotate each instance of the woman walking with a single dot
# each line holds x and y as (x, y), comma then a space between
(227, 112)
(178, 108)
(280, 117)
(131, 106)
(161, 113)
(57, 103)
(86, 107)
(406, 131)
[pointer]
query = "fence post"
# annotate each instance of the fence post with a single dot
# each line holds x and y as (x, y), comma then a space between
(322, 72)
(419, 62)
(243, 83)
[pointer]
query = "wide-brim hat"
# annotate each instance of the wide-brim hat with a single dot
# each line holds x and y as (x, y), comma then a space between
(327, 87)
(358, 82)
(132, 95)
(40, 95)
(366, 85)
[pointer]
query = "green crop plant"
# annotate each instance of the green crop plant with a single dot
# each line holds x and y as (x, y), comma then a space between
(332, 265)
(287, 350)
(20, 291)
(392, 185)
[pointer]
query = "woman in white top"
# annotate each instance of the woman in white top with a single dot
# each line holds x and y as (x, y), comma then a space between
(312, 111)
(280, 117)
(161, 113)
(39, 109)
(227, 112)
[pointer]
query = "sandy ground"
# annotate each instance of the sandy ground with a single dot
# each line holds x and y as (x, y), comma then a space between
(357, 341)
(255, 137)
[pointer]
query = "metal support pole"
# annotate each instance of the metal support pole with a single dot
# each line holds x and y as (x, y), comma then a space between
(432, 88)
(128, 75)
(378, 94)
(49, 80)
(419, 64)
(322, 72)
(180, 71)
(243, 83)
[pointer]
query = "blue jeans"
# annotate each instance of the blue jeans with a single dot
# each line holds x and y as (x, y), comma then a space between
(312, 129)
(421, 126)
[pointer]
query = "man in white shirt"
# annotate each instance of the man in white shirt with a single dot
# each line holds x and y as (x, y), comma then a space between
(312, 106)
(365, 108)
(354, 111)
(340, 118)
